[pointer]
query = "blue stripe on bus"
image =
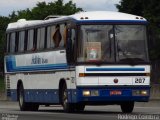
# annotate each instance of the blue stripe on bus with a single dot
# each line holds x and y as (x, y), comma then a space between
(113, 21)
(115, 69)
(38, 95)
(43, 95)
(11, 66)
(52, 95)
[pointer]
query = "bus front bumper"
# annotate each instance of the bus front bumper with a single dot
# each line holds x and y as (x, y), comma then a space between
(107, 95)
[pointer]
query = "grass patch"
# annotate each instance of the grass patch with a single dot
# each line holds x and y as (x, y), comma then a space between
(2, 85)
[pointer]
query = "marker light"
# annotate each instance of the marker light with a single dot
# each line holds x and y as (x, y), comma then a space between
(86, 17)
(140, 92)
(144, 92)
(82, 18)
(148, 74)
(81, 74)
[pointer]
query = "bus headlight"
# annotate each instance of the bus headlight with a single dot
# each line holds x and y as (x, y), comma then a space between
(86, 93)
(144, 92)
(90, 93)
(140, 92)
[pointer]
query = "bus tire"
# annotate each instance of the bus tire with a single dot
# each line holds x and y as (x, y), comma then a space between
(127, 107)
(21, 99)
(24, 106)
(67, 107)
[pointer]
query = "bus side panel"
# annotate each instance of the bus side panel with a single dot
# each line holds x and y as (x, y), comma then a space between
(41, 87)
(40, 74)
(11, 84)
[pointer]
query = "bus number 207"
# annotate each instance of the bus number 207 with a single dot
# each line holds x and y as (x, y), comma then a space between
(139, 80)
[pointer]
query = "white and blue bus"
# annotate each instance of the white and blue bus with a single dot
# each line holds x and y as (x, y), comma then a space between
(89, 58)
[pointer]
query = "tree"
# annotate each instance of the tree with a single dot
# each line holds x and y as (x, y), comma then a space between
(131, 6)
(43, 9)
(150, 9)
(3, 25)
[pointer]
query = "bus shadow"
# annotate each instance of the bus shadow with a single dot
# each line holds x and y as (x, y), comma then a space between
(85, 112)
(82, 112)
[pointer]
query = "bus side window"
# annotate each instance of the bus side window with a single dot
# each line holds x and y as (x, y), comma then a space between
(65, 35)
(25, 40)
(45, 38)
(21, 41)
(16, 42)
(12, 42)
(62, 29)
(40, 38)
(48, 37)
(57, 36)
(73, 35)
(30, 40)
(50, 32)
(35, 40)
(73, 38)
(51, 41)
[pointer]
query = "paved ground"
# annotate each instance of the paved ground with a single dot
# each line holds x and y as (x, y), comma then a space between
(10, 111)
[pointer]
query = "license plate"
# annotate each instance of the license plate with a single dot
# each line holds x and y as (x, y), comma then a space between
(115, 92)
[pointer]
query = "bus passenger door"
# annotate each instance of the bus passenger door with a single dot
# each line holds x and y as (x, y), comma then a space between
(70, 49)
(70, 55)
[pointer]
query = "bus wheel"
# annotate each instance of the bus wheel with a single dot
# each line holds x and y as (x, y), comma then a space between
(23, 106)
(127, 107)
(68, 107)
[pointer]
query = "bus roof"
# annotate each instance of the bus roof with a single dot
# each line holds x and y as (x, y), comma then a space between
(81, 16)
(105, 15)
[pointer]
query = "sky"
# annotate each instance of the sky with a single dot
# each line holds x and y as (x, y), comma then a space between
(7, 6)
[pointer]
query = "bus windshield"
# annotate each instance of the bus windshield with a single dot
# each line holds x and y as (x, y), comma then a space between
(131, 42)
(112, 43)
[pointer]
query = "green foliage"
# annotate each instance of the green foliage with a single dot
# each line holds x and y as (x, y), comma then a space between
(3, 24)
(131, 6)
(43, 9)
(150, 9)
